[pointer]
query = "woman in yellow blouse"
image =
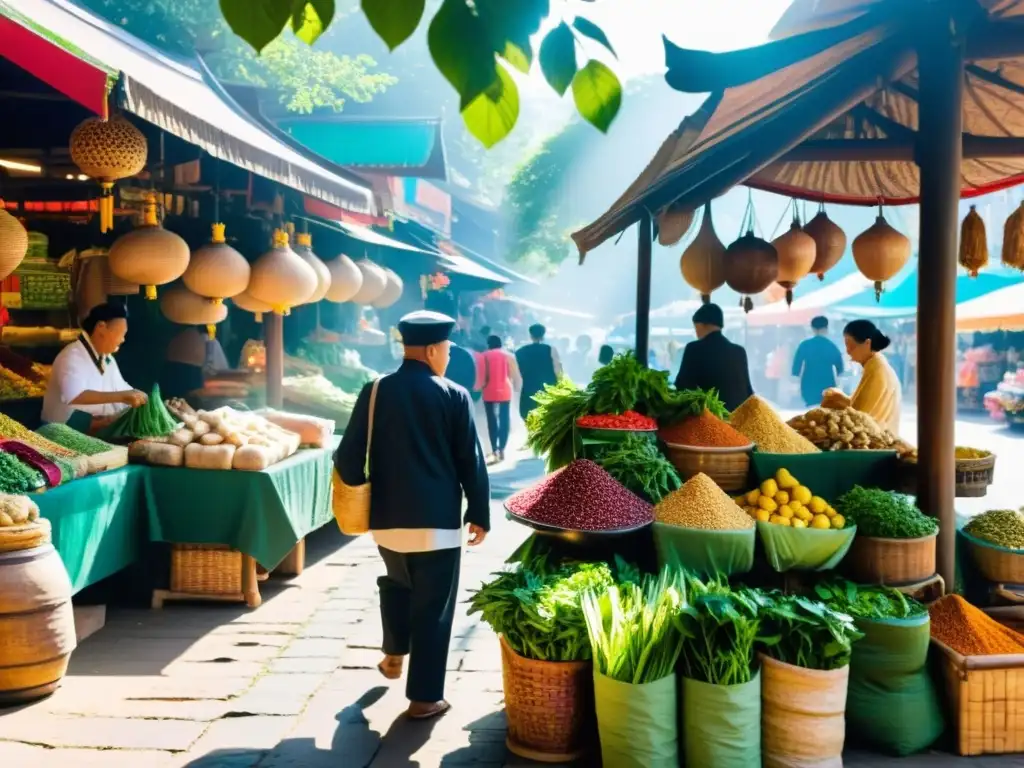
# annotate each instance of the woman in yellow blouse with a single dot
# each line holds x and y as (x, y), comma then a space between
(879, 393)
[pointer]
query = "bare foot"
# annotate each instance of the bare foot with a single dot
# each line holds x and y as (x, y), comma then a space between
(424, 710)
(391, 666)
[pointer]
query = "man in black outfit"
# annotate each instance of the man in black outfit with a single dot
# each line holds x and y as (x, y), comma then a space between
(538, 365)
(426, 456)
(714, 362)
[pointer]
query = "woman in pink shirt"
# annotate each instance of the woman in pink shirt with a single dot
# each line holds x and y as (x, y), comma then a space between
(498, 376)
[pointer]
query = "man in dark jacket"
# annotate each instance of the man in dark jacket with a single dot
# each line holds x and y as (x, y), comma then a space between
(425, 457)
(538, 365)
(714, 362)
(817, 362)
(461, 364)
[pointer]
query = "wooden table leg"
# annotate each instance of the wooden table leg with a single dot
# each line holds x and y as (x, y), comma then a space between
(294, 562)
(250, 585)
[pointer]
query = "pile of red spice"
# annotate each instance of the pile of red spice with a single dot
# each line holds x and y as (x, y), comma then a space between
(630, 420)
(703, 431)
(581, 497)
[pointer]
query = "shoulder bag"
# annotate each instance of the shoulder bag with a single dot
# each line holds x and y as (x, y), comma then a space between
(351, 503)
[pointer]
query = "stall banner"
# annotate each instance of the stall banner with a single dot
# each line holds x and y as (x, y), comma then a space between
(38, 286)
(422, 202)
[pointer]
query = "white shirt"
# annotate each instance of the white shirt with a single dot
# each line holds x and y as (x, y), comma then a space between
(76, 370)
(409, 540)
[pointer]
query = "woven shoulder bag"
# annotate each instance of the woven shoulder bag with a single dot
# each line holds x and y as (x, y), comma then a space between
(351, 503)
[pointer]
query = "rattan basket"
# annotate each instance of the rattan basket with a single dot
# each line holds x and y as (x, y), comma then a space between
(549, 706)
(986, 695)
(728, 467)
(974, 476)
(206, 569)
(893, 562)
(995, 563)
(351, 506)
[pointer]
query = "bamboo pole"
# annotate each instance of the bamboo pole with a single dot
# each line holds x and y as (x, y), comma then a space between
(645, 238)
(274, 328)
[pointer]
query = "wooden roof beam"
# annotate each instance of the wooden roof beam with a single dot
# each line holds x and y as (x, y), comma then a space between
(896, 150)
(995, 40)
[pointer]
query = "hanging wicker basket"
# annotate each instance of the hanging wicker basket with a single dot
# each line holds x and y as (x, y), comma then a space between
(751, 265)
(703, 261)
(217, 271)
(881, 252)
(973, 243)
(281, 278)
(108, 150)
(829, 241)
(796, 251)
(13, 242)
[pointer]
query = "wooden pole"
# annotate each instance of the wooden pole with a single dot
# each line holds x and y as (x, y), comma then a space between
(645, 239)
(274, 328)
(939, 154)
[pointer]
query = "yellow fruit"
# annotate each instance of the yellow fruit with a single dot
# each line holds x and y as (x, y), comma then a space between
(753, 496)
(765, 502)
(795, 505)
(838, 521)
(796, 522)
(804, 514)
(830, 511)
(802, 494)
(785, 521)
(785, 480)
(821, 522)
(786, 511)
(769, 488)
(764, 516)
(781, 498)
(741, 500)
(818, 505)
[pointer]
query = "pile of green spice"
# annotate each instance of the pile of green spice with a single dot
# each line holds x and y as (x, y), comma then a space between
(18, 477)
(1002, 527)
(72, 439)
(885, 515)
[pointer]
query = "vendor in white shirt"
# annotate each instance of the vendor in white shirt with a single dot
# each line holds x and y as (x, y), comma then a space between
(85, 376)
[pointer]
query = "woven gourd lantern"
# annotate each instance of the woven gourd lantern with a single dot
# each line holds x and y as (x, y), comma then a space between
(217, 271)
(108, 150)
(796, 251)
(249, 304)
(973, 243)
(149, 255)
(304, 249)
(672, 225)
(829, 241)
(281, 278)
(346, 279)
(1013, 239)
(703, 261)
(180, 305)
(880, 252)
(13, 242)
(392, 291)
(375, 280)
(751, 265)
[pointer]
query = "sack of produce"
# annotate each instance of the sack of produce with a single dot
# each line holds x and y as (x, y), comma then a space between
(804, 549)
(722, 723)
(637, 723)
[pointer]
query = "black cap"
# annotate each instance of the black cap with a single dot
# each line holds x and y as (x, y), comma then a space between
(819, 323)
(423, 328)
(709, 314)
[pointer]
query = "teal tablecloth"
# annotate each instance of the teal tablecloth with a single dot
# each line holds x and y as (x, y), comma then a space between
(263, 514)
(98, 525)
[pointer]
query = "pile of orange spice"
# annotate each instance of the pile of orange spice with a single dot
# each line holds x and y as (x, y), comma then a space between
(703, 431)
(970, 631)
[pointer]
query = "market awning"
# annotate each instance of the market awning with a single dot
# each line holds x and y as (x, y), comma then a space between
(167, 92)
(810, 305)
(1001, 310)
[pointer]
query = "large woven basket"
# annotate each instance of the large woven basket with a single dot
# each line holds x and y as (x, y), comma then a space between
(974, 476)
(351, 506)
(893, 562)
(206, 569)
(728, 467)
(986, 694)
(994, 563)
(549, 706)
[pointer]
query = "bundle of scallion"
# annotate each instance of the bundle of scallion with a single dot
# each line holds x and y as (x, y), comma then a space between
(634, 635)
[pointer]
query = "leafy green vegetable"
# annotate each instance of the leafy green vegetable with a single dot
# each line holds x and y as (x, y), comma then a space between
(637, 463)
(683, 403)
(149, 420)
(884, 514)
(549, 425)
(868, 602)
(804, 632)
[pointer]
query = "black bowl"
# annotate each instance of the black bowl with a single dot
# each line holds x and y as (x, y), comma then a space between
(575, 536)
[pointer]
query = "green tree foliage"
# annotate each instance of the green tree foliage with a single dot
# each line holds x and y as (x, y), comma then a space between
(305, 78)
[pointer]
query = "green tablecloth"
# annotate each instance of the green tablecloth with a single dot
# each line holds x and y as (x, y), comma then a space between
(98, 526)
(263, 514)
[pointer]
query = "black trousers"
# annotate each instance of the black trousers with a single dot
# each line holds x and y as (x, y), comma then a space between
(498, 424)
(417, 606)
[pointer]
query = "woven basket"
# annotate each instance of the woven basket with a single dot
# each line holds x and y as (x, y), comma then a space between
(549, 706)
(206, 569)
(893, 562)
(986, 695)
(996, 564)
(974, 476)
(728, 467)
(351, 506)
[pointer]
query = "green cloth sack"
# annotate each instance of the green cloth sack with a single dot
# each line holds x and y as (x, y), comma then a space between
(892, 703)
(804, 549)
(721, 724)
(637, 724)
(829, 474)
(705, 553)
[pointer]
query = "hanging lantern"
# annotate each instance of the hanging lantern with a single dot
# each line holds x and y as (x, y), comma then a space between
(149, 255)
(880, 252)
(108, 150)
(703, 261)
(182, 306)
(973, 243)
(346, 279)
(796, 250)
(751, 265)
(673, 225)
(1013, 239)
(217, 271)
(245, 301)
(829, 241)
(13, 242)
(304, 249)
(375, 280)
(281, 278)
(392, 291)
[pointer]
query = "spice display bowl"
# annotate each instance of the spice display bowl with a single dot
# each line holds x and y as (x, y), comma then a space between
(574, 536)
(728, 467)
(996, 564)
(892, 562)
(974, 476)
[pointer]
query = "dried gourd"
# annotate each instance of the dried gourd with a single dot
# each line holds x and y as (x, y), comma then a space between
(199, 456)
(252, 458)
(182, 437)
(211, 438)
(200, 428)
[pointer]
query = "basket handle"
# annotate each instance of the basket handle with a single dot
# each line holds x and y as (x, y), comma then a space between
(369, 427)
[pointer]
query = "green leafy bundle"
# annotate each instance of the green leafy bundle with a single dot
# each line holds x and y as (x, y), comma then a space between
(633, 628)
(637, 463)
(149, 420)
(624, 384)
(549, 426)
(804, 632)
(884, 514)
(864, 602)
(537, 608)
(681, 404)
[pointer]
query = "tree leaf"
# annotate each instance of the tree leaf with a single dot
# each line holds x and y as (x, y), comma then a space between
(590, 29)
(310, 18)
(492, 115)
(461, 48)
(558, 58)
(258, 22)
(510, 26)
(520, 58)
(598, 94)
(394, 21)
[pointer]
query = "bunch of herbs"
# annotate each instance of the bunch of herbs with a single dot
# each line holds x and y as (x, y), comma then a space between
(884, 514)
(869, 602)
(640, 466)
(681, 404)
(549, 426)
(804, 632)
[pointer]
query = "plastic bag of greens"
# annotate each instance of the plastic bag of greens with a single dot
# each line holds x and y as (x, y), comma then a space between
(804, 549)
(705, 553)
(892, 703)
(722, 723)
(637, 723)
